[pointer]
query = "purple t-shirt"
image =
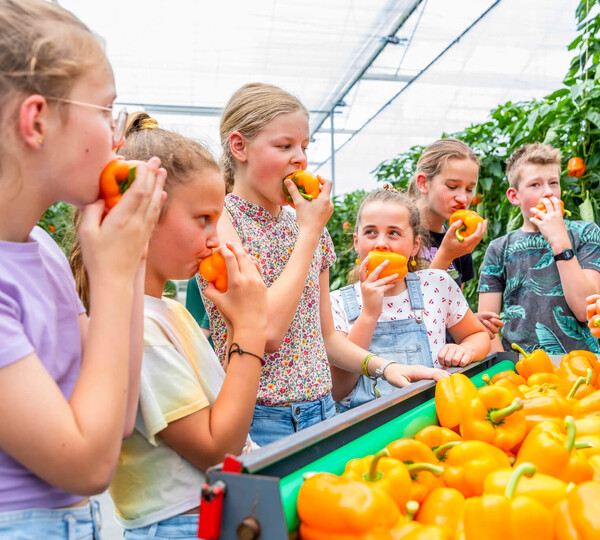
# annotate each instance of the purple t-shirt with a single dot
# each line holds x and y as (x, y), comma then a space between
(39, 310)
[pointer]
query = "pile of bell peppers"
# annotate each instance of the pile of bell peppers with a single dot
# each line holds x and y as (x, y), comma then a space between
(517, 458)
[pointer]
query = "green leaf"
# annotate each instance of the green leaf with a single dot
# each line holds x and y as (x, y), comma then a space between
(586, 210)
(593, 117)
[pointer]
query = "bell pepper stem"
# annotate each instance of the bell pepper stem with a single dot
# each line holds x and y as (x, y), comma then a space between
(412, 507)
(517, 348)
(497, 416)
(571, 433)
(459, 236)
(596, 322)
(414, 468)
(374, 475)
(524, 469)
(579, 382)
(440, 451)
(582, 444)
(486, 379)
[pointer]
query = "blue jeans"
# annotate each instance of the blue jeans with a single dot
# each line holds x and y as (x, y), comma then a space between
(273, 423)
(79, 523)
(182, 526)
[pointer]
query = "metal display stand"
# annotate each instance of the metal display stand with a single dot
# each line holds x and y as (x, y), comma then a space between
(255, 492)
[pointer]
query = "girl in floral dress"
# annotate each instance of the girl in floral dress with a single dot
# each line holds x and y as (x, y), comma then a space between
(264, 135)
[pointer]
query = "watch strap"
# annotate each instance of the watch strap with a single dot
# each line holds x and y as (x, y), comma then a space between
(565, 255)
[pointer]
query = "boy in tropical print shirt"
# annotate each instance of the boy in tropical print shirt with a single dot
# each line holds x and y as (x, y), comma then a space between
(544, 271)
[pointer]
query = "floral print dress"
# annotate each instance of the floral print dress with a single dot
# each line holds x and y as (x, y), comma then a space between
(299, 370)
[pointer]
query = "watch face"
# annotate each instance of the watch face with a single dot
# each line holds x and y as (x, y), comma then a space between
(565, 255)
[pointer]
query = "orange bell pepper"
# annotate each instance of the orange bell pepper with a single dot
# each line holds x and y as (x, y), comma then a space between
(541, 487)
(506, 517)
(382, 472)
(115, 178)
(451, 396)
(495, 417)
(397, 265)
(536, 362)
(470, 219)
(334, 507)
(436, 436)
(421, 463)
(576, 167)
(468, 463)
(594, 461)
(554, 453)
(511, 375)
(540, 206)
(444, 507)
(214, 270)
(590, 425)
(504, 383)
(578, 516)
(573, 366)
(544, 406)
(551, 379)
(576, 389)
(587, 406)
(308, 185)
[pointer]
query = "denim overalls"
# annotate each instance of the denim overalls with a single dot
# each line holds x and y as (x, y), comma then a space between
(404, 341)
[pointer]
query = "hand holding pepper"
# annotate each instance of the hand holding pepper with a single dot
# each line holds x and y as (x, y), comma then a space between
(470, 220)
(308, 185)
(593, 314)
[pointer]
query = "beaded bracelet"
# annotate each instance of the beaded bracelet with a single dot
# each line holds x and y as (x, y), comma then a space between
(365, 364)
(241, 351)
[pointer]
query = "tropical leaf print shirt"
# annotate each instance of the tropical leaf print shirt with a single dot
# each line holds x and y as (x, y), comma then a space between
(299, 370)
(521, 266)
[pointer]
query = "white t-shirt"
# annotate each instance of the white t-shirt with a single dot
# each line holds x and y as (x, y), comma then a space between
(180, 375)
(444, 303)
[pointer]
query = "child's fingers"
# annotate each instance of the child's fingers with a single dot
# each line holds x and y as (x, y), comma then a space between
(293, 191)
(326, 186)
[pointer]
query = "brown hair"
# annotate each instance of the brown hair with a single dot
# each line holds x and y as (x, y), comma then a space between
(180, 156)
(44, 49)
(434, 159)
(536, 153)
(248, 111)
(390, 195)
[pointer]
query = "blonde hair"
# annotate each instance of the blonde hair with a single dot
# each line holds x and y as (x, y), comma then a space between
(44, 49)
(536, 153)
(180, 156)
(390, 195)
(434, 159)
(248, 111)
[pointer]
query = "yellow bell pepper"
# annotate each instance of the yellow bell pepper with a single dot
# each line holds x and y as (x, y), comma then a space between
(451, 395)
(468, 463)
(333, 507)
(587, 406)
(506, 517)
(536, 362)
(398, 263)
(422, 465)
(541, 487)
(594, 461)
(382, 472)
(444, 507)
(554, 453)
(511, 375)
(578, 516)
(504, 383)
(436, 436)
(494, 417)
(470, 219)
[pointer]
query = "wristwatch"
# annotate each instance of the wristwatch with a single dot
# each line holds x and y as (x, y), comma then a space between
(565, 255)
(379, 371)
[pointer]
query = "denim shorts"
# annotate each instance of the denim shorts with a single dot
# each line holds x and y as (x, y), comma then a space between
(75, 523)
(181, 526)
(273, 423)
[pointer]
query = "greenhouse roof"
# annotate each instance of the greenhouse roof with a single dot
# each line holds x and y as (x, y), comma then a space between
(395, 73)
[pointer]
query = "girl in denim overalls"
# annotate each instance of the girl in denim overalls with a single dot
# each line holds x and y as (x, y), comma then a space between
(403, 319)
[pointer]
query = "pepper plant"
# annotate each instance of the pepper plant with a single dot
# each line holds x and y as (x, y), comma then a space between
(568, 119)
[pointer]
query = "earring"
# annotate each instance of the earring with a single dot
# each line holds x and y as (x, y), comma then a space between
(413, 263)
(41, 142)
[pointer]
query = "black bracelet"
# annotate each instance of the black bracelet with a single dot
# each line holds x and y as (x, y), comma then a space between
(239, 350)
